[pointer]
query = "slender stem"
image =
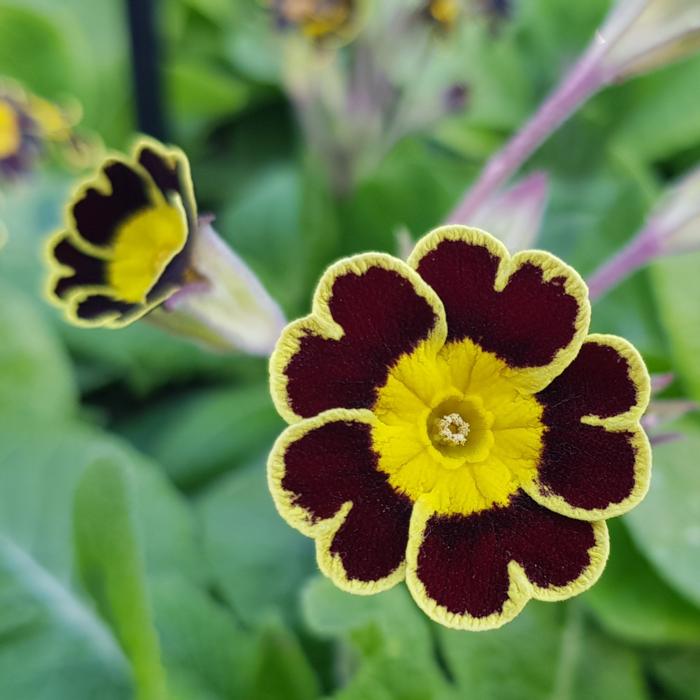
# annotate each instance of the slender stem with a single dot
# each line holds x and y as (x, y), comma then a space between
(583, 81)
(637, 253)
(145, 68)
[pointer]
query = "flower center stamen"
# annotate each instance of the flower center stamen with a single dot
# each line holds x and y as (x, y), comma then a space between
(453, 429)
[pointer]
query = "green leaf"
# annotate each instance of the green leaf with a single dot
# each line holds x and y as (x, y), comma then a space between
(548, 651)
(263, 226)
(256, 560)
(206, 433)
(111, 565)
(390, 678)
(205, 652)
(330, 612)
(665, 526)
(677, 288)
(35, 374)
(678, 671)
(632, 601)
(47, 67)
(282, 671)
(668, 97)
(388, 650)
(200, 91)
(52, 644)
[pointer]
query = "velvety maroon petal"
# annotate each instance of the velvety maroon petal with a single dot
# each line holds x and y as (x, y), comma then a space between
(97, 214)
(382, 316)
(536, 315)
(96, 307)
(587, 466)
(462, 561)
(322, 469)
(600, 469)
(86, 271)
(169, 169)
(372, 541)
(597, 382)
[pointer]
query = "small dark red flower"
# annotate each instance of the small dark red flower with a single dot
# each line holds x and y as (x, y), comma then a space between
(453, 423)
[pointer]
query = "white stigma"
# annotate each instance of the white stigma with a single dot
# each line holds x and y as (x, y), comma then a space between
(453, 429)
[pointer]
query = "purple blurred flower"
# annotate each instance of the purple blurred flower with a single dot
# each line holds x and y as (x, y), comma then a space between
(20, 141)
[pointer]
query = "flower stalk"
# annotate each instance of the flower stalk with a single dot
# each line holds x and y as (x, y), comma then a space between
(637, 36)
(672, 228)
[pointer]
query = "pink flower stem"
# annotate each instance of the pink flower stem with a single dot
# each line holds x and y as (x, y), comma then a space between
(638, 252)
(583, 81)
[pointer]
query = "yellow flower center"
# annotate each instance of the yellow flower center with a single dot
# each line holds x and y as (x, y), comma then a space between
(10, 132)
(144, 246)
(456, 428)
(318, 18)
(445, 11)
(452, 429)
(52, 120)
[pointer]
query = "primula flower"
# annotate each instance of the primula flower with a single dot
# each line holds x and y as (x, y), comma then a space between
(19, 139)
(133, 242)
(453, 423)
(317, 19)
(444, 13)
(515, 215)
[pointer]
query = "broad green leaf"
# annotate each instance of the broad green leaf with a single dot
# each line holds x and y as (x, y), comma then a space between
(47, 67)
(548, 651)
(206, 433)
(414, 187)
(53, 645)
(282, 671)
(264, 226)
(670, 98)
(111, 566)
(387, 650)
(389, 678)
(677, 289)
(200, 91)
(205, 652)
(633, 602)
(256, 560)
(666, 525)
(330, 612)
(678, 672)
(35, 376)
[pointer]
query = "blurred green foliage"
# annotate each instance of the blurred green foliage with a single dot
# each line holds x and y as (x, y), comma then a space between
(140, 554)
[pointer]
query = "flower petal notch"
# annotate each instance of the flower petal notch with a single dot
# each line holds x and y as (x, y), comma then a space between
(367, 312)
(452, 423)
(134, 247)
(497, 301)
(592, 411)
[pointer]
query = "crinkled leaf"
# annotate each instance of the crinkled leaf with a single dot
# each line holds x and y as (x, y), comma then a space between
(256, 560)
(204, 434)
(206, 653)
(632, 601)
(547, 651)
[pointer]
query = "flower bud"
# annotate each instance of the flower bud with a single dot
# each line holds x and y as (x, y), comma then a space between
(515, 215)
(642, 35)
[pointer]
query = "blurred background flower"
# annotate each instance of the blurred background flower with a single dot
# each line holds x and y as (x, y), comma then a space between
(140, 553)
